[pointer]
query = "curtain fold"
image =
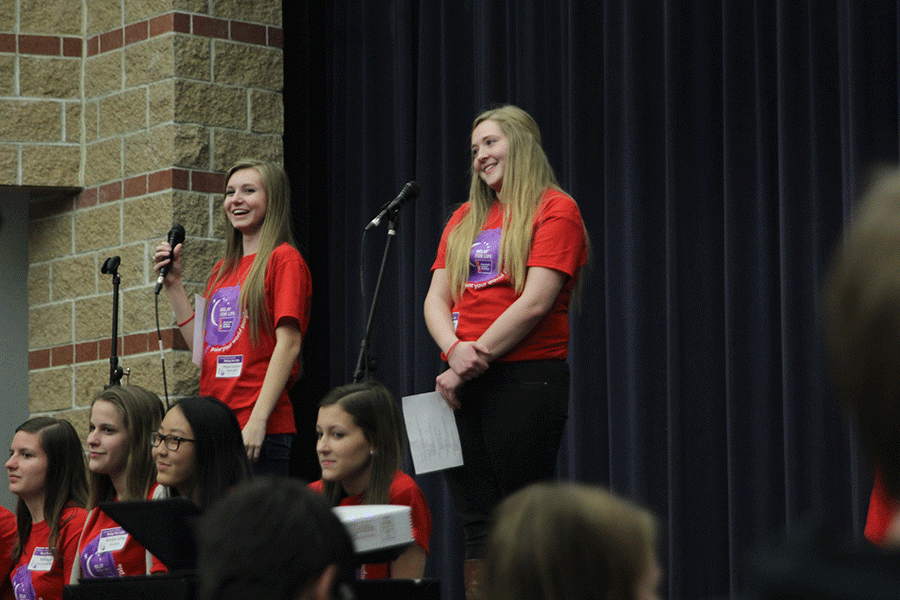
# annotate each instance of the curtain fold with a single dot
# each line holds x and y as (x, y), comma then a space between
(714, 149)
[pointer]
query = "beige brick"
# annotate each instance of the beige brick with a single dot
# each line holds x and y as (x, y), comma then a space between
(57, 17)
(140, 10)
(197, 6)
(50, 390)
(51, 164)
(30, 121)
(266, 112)
(146, 218)
(132, 269)
(192, 57)
(74, 277)
(38, 284)
(123, 112)
(254, 11)
(232, 145)
(103, 15)
(248, 65)
(162, 102)
(183, 375)
(150, 150)
(7, 74)
(198, 258)
(221, 226)
(210, 104)
(91, 124)
(50, 238)
(7, 16)
(50, 325)
(191, 209)
(145, 370)
(90, 378)
(49, 76)
(150, 60)
(73, 122)
(93, 317)
(139, 313)
(103, 74)
(191, 147)
(103, 162)
(98, 228)
(9, 164)
(79, 418)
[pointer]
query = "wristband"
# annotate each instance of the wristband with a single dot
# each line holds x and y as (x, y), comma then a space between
(450, 349)
(188, 320)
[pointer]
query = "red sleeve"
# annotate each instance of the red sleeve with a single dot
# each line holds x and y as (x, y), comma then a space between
(411, 495)
(559, 241)
(290, 283)
(8, 536)
(157, 566)
(881, 512)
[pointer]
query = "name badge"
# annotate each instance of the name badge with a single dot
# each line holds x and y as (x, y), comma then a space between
(41, 560)
(229, 367)
(112, 540)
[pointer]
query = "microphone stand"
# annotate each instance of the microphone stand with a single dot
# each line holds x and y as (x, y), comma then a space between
(111, 265)
(364, 365)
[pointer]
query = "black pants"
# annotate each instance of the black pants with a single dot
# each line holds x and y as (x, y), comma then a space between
(510, 427)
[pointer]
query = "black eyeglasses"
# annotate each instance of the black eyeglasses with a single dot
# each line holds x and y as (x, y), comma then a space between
(172, 441)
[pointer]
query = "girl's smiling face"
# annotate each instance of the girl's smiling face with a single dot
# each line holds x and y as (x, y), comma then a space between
(490, 148)
(246, 201)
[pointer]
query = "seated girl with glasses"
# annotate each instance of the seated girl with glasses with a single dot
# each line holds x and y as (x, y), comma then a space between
(121, 468)
(199, 450)
(46, 471)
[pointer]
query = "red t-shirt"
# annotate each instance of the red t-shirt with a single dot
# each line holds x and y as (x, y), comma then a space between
(8, 534)
(107, 550)
(403, 492)
(233, 366)
(558, 243)
(38, 574)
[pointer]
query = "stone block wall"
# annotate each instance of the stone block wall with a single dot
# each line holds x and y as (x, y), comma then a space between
(120, 117)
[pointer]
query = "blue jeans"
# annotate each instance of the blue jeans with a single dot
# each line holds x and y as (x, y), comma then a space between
(274, 455)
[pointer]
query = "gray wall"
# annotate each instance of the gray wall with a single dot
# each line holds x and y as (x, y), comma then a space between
(13, 322)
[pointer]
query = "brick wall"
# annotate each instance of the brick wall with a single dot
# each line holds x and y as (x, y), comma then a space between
(119, 116)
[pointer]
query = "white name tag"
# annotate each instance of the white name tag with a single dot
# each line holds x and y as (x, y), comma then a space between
(112, 539)
(229, 367)
(41, 560)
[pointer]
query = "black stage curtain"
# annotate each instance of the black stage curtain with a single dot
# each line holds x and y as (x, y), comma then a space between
(714, 149)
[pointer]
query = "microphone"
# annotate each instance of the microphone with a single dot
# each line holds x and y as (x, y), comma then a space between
(410, 191)
(176, 236)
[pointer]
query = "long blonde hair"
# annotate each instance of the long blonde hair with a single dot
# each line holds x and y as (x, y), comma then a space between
(276, 230)
(526, 177)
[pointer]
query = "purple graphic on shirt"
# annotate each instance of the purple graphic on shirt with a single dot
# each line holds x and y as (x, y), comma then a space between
(99, 564)
(21, 583)
(484, 255)
(224, 316)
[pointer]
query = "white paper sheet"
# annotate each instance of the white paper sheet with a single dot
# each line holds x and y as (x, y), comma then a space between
(199, 329)
(433, 437)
